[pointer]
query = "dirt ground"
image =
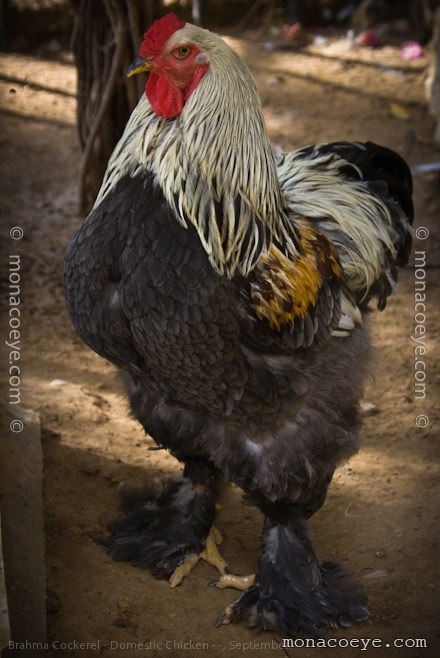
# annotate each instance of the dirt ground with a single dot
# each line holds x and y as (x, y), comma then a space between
(381, 515)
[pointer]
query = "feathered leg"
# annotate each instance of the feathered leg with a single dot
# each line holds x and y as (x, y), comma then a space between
(293, 594)
(168, 531)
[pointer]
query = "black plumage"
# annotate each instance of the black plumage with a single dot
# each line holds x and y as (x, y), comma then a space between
(202, 379)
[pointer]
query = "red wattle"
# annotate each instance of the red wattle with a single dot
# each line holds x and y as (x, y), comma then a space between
(166, 100)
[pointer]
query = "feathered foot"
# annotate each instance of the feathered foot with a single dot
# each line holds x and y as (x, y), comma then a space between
(293, 594)
(161, 530)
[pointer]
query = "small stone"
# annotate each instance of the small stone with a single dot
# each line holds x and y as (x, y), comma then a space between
(369, 409)
(57, 382)
(275, 80)
(101, 419)
(379, 573)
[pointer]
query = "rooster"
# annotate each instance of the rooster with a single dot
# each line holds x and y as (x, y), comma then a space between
(230, 288)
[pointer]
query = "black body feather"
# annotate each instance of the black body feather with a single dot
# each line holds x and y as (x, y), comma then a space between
(212, 383)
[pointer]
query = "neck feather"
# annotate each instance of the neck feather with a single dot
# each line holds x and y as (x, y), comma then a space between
(214, 164)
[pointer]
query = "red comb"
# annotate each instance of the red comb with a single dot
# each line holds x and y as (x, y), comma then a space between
(158, 34)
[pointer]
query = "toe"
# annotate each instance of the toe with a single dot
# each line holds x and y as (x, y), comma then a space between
(236, 582)
(225, 617)
(211, 553)
(183, 570)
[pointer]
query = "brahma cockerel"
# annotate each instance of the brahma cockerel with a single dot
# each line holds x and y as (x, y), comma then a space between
(229, 287)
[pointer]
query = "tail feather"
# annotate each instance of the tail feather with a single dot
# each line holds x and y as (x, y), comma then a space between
(389, 177)
(360, 195)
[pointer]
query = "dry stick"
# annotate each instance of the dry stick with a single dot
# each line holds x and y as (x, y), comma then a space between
(133, 25)
(136, 38)
(117, 13)
(250, 14)
(78, 47)
(105, 103)
(89, 66)
(131, 83)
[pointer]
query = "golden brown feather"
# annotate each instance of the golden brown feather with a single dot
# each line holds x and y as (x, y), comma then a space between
(285, 289)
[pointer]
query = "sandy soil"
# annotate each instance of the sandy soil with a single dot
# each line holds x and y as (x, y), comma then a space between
(381, 514)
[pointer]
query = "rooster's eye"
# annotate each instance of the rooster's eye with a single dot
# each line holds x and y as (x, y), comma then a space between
(183, 52)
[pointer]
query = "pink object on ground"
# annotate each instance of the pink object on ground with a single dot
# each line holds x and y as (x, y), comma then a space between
(411, 50)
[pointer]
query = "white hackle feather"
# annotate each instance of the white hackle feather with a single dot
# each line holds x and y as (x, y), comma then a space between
(216, 151)
(358, 221)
